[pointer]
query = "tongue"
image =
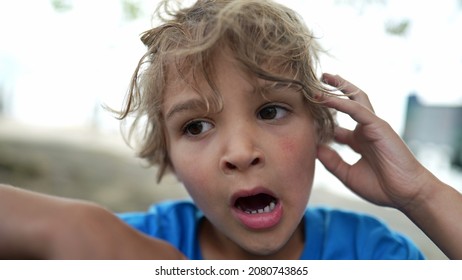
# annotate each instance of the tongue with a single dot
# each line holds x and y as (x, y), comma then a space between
(254, 202)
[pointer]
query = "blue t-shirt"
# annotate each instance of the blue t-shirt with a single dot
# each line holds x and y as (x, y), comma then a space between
(329, 233)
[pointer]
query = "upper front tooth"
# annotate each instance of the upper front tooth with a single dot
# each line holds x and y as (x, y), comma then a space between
(272, 205)
(267, 209)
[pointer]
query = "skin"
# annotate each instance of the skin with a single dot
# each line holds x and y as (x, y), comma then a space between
(241, 152)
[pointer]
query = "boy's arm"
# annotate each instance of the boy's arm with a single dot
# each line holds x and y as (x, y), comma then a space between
(37, 226)
(439, 216)
(388, 174)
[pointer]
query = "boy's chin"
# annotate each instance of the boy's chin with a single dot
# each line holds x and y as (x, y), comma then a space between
(262, 251)
(273, 245)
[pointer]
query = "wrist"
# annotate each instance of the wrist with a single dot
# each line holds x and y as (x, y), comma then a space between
(430, 191)
(436, 213)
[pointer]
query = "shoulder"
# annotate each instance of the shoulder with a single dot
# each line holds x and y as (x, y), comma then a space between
(339, 234)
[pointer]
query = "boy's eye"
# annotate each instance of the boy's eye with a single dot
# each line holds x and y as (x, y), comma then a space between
(272, 112)
(195, 128)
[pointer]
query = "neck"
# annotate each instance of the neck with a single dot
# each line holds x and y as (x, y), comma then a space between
(215, 245)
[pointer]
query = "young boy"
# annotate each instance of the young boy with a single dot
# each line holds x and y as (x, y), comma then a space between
(230, 102)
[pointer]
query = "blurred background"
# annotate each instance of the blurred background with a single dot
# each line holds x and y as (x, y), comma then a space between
(61, 60)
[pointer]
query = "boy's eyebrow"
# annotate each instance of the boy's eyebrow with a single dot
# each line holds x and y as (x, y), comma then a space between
(196, 104)
(191, 104)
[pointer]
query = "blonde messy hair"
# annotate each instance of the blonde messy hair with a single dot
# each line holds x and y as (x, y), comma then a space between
(266, 39)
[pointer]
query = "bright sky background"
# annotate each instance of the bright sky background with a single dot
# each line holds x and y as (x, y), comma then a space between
(57, 67)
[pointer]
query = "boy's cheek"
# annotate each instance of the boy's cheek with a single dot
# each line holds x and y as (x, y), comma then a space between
(191, 172)
(287, 146)
(297, 146)
(297, 160)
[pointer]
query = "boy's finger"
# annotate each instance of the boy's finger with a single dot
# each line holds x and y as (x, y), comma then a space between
(356, 111)
(345, 136)
(353, 92)
(333, 162)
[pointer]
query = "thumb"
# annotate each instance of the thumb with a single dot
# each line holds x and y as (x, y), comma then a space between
(333, 162)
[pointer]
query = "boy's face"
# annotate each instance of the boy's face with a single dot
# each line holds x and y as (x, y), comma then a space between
(248, 167)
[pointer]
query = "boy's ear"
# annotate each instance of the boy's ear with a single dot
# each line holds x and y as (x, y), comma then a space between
(318, 96)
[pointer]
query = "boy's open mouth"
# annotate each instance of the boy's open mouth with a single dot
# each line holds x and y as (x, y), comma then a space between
(257, 209)
(256, 204)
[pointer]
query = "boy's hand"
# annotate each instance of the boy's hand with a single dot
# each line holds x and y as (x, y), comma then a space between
(387, 174)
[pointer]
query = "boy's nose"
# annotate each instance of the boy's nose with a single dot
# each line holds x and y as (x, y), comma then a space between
(241, 153)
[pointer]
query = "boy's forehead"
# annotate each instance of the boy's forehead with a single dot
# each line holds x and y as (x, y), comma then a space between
(185, 82)
(184, 74)
(179, 87)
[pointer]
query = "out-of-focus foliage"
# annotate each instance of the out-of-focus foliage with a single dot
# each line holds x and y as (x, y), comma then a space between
(132, 9)
(62, 5)
(398, 28)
